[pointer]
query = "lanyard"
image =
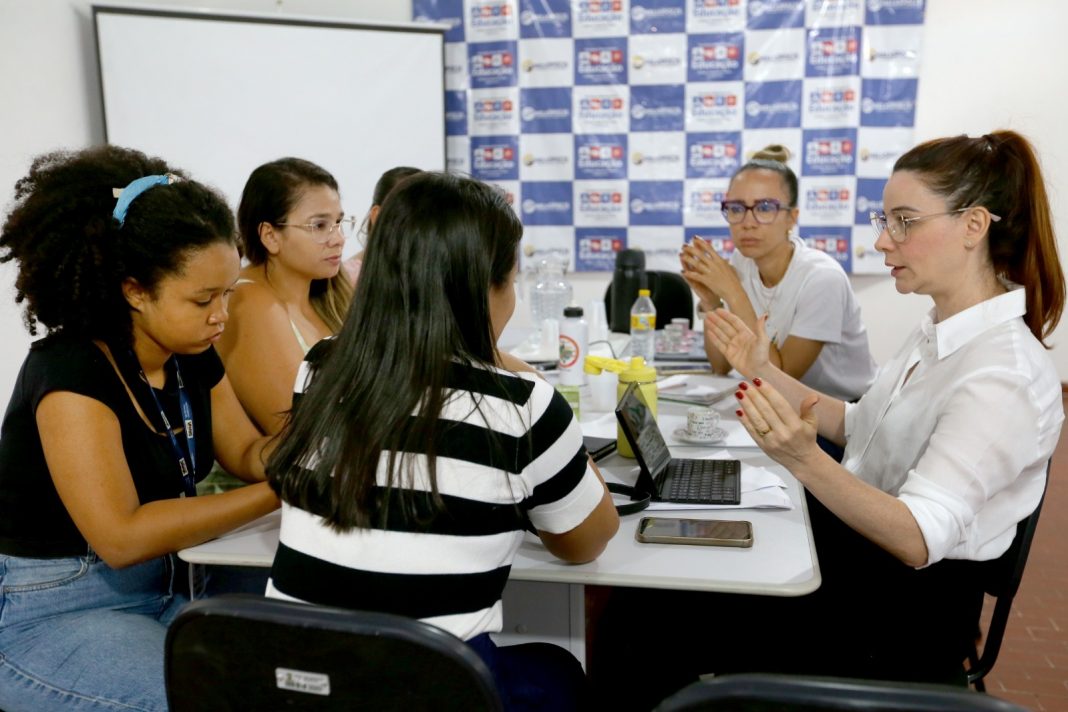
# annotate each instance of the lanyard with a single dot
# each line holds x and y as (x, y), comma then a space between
(188, 470)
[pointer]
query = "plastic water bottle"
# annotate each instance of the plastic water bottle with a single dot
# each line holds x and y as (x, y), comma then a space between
(573, 343)
(550, 293)
(643, 327)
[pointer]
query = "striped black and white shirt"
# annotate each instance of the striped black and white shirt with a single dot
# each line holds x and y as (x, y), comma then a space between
(452, 570)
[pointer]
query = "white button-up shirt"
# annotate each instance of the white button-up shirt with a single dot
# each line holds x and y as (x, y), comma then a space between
(964, 442)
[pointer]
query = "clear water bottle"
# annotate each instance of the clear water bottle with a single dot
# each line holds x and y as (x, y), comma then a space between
(550, 292)
(643, 327)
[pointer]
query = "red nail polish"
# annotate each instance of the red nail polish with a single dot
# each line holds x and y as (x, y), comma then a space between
(744, 386)
(739, 395)
(757, 382)
(739, 413)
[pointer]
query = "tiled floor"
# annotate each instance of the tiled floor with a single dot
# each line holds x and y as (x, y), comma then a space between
(1032, 668)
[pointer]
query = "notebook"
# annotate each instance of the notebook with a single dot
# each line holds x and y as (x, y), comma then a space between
(667, 479)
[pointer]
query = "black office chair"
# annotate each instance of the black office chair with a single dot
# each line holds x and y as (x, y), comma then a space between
(241, 652)
(779, 693)
(670, 294)
(1001, 579)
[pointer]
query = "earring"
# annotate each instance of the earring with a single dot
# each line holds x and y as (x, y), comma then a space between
(969, 244)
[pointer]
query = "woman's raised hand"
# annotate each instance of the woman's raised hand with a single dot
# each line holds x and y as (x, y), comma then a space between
(746, 352)
(787, 437)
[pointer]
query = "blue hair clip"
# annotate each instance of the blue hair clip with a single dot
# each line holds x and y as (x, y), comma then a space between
(135, 188)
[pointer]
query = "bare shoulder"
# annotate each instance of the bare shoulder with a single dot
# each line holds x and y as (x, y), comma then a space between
(257, 317)
(254, 301)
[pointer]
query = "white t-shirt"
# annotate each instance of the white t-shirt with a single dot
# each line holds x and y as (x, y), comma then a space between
(815, 301)
(964, 443)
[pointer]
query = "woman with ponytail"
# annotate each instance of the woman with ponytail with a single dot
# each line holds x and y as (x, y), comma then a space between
(947, 451)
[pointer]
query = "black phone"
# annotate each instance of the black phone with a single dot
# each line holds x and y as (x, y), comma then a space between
(705, 532)
(599, 448)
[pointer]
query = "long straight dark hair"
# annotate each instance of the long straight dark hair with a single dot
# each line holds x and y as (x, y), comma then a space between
(422, 305)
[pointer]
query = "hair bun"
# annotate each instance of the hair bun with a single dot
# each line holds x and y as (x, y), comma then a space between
(773, 152)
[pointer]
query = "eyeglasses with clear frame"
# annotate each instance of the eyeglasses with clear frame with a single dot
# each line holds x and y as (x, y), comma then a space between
(897, 226)
(322, 228)
(764, 211)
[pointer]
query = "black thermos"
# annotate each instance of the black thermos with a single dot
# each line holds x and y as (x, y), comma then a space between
(627, 279)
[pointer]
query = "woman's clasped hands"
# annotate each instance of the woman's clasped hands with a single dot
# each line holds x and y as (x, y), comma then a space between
(711, 276)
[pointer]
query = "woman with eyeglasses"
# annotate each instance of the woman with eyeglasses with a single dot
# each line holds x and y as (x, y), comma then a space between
(416, 457)
(811, 314)
(292, 293)
(944, 456)
(117, 412)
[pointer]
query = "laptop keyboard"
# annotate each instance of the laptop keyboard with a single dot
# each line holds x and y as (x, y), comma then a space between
(703, 482)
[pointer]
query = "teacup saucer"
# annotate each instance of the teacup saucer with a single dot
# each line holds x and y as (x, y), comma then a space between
(717, 435)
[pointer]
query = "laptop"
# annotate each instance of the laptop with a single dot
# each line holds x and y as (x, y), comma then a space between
(667, 479)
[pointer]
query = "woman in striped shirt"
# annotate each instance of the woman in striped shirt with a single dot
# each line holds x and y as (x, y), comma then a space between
(414, 461)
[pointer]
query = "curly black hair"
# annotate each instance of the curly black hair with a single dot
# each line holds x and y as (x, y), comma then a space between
(73, 256)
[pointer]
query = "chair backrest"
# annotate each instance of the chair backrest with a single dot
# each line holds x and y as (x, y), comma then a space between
(774, 693)
(670, 294)
(241, 652)
(1001, 579)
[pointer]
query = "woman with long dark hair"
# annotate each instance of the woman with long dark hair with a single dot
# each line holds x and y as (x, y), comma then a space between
(292, 293)
(116, 415)
(414, 462)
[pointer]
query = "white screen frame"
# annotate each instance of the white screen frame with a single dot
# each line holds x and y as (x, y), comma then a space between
(218, 94)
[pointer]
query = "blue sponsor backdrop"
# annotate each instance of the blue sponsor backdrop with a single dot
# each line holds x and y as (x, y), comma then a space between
(633, 114)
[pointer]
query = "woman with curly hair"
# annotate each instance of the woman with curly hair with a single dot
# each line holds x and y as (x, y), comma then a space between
(117, 413)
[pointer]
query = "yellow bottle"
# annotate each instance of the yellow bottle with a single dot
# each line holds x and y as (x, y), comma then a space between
(645, 376)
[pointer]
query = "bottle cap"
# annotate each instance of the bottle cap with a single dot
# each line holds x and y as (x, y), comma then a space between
(639, 371)
(572, 311)
(643, 292)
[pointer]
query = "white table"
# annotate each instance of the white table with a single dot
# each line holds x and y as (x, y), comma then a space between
(545, 600)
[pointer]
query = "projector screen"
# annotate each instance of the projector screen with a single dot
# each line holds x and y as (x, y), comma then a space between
(218, 95)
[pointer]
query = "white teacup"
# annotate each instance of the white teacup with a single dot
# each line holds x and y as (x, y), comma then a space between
(701, 422)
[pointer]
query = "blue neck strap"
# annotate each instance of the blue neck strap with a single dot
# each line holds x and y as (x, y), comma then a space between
(188, 468)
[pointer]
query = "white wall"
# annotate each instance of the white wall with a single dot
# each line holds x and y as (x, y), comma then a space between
(987, 64)
(51, 100)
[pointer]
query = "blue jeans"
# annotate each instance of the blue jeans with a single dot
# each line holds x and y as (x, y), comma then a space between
(76, 634)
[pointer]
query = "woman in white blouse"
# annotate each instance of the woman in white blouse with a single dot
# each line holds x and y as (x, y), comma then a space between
(948, 450)
(943, 456)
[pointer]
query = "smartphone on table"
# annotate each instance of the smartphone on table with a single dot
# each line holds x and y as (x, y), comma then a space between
(705, 532)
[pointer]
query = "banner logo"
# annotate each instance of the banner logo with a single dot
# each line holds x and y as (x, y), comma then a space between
(715, 58)
(712, 155)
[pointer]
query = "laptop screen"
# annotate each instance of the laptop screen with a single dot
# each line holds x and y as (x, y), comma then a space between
(638, 422)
